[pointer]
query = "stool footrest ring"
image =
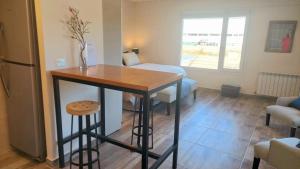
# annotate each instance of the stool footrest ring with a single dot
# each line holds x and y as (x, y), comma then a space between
(135, 132)
(84, 149)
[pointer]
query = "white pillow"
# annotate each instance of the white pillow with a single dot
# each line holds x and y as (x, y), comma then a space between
(131, 59)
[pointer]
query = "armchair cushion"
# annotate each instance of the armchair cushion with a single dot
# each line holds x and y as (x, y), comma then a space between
(295, 103)
(280, 153)
(287, 114)
(285, 101)
(261, 150)
(284, 154)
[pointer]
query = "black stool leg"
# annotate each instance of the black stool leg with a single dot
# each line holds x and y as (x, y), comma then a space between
(151, 124)
(71, 147)
(97, 144)
(133, 122)
(80, 142)
(139, 126)
(256, 162)
(89, 144)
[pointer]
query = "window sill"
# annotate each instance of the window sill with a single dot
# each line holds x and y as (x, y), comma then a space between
(232, 71)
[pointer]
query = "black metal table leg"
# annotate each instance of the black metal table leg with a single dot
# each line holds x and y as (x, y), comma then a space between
(102, 112)
(89, 144)
(80, 142)
(59, 123)
(140, 121)
(145, 136)
(177, 120)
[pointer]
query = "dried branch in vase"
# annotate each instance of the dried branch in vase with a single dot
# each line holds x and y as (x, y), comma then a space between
(78, 30)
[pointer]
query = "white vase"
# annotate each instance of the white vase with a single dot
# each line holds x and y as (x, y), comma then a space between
(83, 56)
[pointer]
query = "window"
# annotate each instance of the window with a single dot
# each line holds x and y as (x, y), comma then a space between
(213, 43)
(234, 42)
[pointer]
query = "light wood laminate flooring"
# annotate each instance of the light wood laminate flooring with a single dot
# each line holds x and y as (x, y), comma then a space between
(215, 133)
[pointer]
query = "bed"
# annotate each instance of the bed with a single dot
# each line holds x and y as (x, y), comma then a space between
(167, 95)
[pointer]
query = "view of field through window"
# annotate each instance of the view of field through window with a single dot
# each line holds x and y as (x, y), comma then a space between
(202, 41)
(234, 42)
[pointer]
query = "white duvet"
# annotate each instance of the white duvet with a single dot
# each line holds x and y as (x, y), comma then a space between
(156, 67)
(163, 68)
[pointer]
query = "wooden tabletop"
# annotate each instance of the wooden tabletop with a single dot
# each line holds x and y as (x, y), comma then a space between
(120, 76)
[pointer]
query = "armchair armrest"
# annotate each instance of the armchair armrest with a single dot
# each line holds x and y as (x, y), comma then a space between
(284, 154)
(285, 101)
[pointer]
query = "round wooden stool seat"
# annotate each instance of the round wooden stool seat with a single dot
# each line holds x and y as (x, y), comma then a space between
(84, 107)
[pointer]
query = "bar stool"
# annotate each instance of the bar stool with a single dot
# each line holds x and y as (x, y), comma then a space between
(137, 129)
(80, 109)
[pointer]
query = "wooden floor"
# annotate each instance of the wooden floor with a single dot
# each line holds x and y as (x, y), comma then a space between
(215, 133)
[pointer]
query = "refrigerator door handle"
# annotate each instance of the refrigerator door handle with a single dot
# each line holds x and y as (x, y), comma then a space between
(3, 80)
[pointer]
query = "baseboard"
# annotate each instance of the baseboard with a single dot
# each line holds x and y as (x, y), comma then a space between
(54, 161)
(219, 89)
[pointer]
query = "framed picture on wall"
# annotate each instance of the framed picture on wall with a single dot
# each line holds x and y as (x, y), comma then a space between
(281, 36)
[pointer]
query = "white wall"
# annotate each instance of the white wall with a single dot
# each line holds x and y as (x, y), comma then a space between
(54, 43)
(158, 27)
(112, 42)
(128, 24)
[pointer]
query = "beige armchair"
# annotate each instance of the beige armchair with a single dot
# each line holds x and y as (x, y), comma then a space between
(280, 153)
(281, 111)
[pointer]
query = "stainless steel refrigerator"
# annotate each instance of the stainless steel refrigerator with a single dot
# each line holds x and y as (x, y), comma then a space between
(20, 76)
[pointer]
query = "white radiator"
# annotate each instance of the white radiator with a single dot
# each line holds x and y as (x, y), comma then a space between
(273, 84)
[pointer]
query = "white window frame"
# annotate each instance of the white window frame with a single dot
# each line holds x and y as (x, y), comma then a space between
(225, 16)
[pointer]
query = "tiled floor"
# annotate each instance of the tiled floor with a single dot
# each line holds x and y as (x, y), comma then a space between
(215, 133)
